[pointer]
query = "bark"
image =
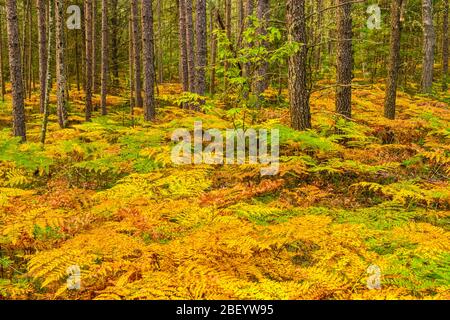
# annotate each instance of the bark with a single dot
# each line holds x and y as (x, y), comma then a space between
(228, 33)
(344, 59)
(149, 69)
(2, 71)
(88, 58)
(261, 72)
(184, 73)
(61, 81)
(445, 48)
(19, 128)
(429, 40)
(201, 46)
(159, 6)
(394, 60)
(94, 48)
(105, 56)
(130, 66)
(190, 47)
(137, 53)
(114, 36)
(248, 12)
(298, 90)
(48, 76)
(213, 43)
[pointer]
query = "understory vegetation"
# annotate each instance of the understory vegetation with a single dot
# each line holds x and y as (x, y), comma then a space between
(105, 196)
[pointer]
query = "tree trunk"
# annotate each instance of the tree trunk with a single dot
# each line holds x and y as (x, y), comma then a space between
(394, 60)
(48, 75)
(445, 48)
(105, 56)
(130, 65)
(94, 49)
(213, 43)
(159, 6)
(248, 12)
(228, 33)
(201, 46)
(429, 40)
(61, 81)
(2, 70)
(19, 128)
(190, 47)
(261, 72)
(115, 29)
(137, 53)
(88, 57)
(184, 72)
(344, 59)
(298, 90)
(149, 69)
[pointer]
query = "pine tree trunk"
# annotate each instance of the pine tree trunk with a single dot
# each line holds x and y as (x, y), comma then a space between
(298, 90)
(429, 40)
(201, 46)
(159, 6)
(149, 69)
(261, 72)
(61, 81)
(184, 72)
(192, 70)
(15, 67)
(394, 60)
(88, 57)
(105, 56)
(2, 71)
(130, 66)
(213, 43)
(445, 48)
(344, 59)
(115, 29)
(248, 12)
(48, 75)
(94, 49)
(137, 53)
(228, 33)
(41, 7)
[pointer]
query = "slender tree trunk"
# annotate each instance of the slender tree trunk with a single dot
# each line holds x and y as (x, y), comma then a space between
(19, 128)
(41, 7)
(184, 72)
(344, 59)
(77, 61)
(445, 48)
(298, 90)
(148, 52)
(48, 76)
(2, 71)
(201, 46)
(192, 70)
(248, 12)
(213, 43)
(130, 66)
(88, 57)
(30, 49)
(61, 81)
(94, 49)
(394, 60)
(228, 33)
(137, 53)
(115, 29)
(261, 72)
(105, 56)
(429, 40)
(159, 6)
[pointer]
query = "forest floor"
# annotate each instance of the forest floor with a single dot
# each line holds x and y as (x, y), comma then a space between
(105, 197)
